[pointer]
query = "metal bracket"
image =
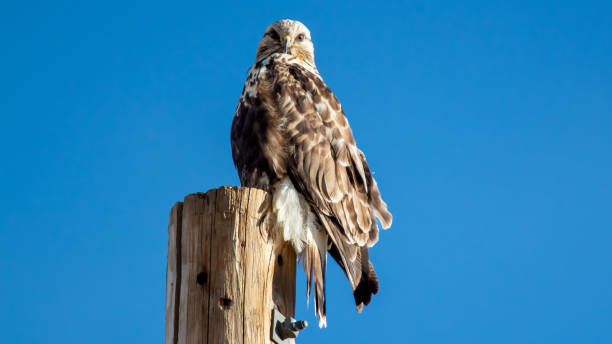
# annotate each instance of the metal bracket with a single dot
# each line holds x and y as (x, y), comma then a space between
(285, 328)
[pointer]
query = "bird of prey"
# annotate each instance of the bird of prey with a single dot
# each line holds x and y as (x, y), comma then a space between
(290, 137)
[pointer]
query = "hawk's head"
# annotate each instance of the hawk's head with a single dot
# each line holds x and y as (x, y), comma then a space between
(289, 37)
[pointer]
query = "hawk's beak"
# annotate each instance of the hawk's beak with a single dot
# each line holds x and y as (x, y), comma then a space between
(286, 43)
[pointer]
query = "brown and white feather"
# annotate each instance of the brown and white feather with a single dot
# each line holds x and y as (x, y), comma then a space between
(290, 136)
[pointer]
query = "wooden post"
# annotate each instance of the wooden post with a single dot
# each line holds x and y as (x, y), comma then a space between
(227, 269)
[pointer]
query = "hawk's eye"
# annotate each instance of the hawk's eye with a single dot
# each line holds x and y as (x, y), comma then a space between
(273, 35)
(300, 37)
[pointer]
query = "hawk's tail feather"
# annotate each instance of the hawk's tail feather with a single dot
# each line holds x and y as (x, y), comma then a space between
(314, 266)
(368, 283)
(360, 273)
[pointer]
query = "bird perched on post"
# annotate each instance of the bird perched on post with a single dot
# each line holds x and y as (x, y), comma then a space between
(290, 137)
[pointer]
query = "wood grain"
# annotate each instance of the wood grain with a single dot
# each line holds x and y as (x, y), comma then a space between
(227, 269)
(173, 270)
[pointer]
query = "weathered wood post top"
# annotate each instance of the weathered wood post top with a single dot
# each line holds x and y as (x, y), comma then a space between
(227, 269)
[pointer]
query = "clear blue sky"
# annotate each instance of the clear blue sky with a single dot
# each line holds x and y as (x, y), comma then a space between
(488, 124)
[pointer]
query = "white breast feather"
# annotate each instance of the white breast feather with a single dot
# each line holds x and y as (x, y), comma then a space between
(293, 215)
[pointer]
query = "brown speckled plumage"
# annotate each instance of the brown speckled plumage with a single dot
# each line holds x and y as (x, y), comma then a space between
(288, 124)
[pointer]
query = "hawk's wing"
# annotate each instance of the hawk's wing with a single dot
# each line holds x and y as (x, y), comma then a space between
(329, 170)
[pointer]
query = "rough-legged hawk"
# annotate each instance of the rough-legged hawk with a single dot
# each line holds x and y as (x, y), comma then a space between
(291, 137)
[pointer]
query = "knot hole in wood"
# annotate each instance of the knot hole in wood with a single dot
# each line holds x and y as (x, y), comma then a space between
(202, 278)
(225, 303)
